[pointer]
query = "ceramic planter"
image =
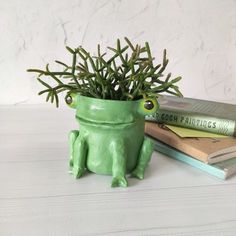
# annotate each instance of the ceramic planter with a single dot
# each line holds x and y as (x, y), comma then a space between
(110, 139)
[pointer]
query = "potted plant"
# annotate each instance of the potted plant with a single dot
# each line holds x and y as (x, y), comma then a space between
(111, 94)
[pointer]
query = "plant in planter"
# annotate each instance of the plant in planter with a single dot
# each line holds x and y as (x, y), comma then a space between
(111, 96)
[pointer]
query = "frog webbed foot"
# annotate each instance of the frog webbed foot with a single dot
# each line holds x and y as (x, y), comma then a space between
(78, 172)
(119, 181)
(138, 173)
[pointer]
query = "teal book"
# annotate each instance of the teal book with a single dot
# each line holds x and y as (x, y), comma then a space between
(210, 116)
(221, 170)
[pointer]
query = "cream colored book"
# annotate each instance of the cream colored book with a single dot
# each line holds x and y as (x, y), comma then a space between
(208, 150)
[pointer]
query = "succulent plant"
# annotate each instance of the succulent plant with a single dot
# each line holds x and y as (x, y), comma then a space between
(127, 73)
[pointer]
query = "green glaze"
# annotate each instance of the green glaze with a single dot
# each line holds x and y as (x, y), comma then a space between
(111, 137)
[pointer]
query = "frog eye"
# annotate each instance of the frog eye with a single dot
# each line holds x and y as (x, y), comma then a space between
(71, 100)
(68, 99)
(148, 106)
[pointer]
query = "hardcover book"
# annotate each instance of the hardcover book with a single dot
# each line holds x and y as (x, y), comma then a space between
(222, 170)
(208, 150)
(215, 117)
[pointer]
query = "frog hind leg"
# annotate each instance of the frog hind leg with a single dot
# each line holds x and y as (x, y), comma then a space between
(72, 137)
(144, 158)
(78, 153)
(118, 150)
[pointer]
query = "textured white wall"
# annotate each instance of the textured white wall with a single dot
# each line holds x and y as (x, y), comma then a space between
(199, 35)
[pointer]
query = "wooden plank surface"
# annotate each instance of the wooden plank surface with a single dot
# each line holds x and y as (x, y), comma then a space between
(39, 197)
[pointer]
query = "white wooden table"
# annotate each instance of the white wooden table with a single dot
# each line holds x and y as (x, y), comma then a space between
(39, 197)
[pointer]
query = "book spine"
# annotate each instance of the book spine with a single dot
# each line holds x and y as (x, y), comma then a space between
(194, 121)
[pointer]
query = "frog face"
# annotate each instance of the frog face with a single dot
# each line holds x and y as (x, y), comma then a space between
(112, 112)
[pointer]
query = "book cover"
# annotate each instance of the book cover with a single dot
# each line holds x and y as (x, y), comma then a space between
(198, 114)
(222, 170)
(208, 150)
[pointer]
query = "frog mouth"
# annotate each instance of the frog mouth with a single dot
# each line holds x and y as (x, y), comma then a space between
(94, 122)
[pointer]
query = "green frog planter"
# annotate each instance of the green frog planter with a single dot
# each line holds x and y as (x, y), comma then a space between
(111, 137)
(112, 92)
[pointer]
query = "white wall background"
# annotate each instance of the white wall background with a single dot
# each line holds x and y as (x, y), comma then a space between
(199, 35)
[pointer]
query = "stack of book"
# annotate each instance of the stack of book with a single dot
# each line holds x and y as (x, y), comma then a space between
(198, 132)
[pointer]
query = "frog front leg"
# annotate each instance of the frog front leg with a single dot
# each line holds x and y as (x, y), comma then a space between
(78, 153)
(118, 151)
(144, 157)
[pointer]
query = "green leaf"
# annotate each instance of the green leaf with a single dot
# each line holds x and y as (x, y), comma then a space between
(36, 70)
(149, 53)
(177, 79)
(167, 78)
(112, 49)
(99, 50)
(61, 63)
(56, 100)
(44, 91)
(130, 44)
(45, 84)
(118, 45)
(52, 97)
(70, 50)
(81, 55)
(73, 64)
(48, 96)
